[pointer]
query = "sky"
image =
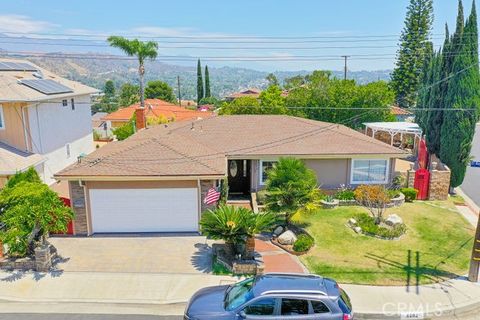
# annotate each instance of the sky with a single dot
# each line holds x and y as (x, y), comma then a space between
(269, 35)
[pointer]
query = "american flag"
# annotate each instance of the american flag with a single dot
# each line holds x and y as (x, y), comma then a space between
(212, 196)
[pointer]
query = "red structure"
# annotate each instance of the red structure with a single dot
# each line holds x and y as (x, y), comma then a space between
(67, 203)
(422, 155)
(422, 180)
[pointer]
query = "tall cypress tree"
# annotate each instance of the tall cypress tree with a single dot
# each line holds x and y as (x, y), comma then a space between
(207, 83)
(200, 92)
(463, 92)
(411, 55)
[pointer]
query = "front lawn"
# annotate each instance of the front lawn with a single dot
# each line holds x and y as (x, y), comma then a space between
(441, 236)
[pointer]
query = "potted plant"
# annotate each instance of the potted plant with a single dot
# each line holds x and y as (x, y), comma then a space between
(330, 202)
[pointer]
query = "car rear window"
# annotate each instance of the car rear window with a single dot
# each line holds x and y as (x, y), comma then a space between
(344, 302)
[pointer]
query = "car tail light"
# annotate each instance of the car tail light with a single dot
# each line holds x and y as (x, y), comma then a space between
(347, 316)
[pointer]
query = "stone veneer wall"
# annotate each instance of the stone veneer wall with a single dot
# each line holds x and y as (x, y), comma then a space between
(78, 200)
(204, 186)
(439, 183)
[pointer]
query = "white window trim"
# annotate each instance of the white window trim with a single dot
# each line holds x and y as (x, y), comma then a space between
(387, 172)
(260, 166)
(2, 124)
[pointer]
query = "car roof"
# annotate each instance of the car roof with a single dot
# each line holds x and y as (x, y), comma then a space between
(278, 283)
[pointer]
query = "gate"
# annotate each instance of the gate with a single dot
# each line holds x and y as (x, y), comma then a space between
(421, 183)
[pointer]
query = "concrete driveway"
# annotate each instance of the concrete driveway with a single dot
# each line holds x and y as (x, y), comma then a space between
(154, 254)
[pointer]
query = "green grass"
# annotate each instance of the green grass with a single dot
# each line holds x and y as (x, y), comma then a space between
(219, 269)
(441, 236)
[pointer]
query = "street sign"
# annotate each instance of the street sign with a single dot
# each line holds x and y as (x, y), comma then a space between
(475, 164)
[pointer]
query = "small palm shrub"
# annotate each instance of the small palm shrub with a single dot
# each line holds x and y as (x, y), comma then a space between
(224, 223)
(410, 194)
(304, 243)
(368, 225)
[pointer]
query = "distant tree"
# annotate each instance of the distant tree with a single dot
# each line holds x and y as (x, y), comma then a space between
(458, 126)
(208, 94)
(294, 82)
(124, 131)
(242, 105)
(129, 94)
(413, 49)
(272, 80)
(159, 90)
(208, 100)
(271, 101)
(109, 88)
(200, 92)
(141, 50)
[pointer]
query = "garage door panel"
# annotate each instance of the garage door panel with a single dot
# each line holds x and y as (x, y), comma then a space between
(144, 210)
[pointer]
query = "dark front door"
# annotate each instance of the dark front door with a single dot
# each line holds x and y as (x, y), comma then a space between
(239, 176)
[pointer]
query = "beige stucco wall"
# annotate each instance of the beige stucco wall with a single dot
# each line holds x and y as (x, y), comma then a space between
(330, 172)
(14, 133)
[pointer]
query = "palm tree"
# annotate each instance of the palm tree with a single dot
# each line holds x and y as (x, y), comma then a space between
(141, 50)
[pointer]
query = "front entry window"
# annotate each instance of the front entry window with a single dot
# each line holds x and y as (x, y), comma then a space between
(233, 169)
(264, 167)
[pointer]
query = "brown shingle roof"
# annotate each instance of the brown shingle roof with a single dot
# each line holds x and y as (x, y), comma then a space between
(200, 147)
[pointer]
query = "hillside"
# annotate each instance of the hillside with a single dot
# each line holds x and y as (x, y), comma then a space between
(224, 80)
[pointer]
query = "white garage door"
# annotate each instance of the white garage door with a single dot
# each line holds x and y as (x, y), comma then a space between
(144, 210)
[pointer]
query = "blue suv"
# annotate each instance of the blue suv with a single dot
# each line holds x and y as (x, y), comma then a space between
(272, 296)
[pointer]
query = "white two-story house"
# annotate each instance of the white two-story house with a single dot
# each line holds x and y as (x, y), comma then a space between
(45, 120)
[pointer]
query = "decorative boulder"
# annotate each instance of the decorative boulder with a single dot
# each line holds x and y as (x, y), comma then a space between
(287, 238)
(352, 221)
(393, 220)
(278, 231)
(357, 229)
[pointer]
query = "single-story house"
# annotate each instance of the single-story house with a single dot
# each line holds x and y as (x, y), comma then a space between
(155, 180)
(153, 108)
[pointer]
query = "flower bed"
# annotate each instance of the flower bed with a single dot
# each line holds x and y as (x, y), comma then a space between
(307, 242)
(365, 224)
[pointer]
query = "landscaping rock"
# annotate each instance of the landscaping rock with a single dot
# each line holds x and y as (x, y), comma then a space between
(357, 229)
(352, 221)
(278, 231)
(393, 220)
(287, 238)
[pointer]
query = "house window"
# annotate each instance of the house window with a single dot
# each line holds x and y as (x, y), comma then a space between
(64, 102)
(73, 104)
(263, 170)
(369, 171)
(67, 148)
(2, 119)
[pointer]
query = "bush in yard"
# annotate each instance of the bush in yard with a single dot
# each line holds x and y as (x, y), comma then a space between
(304, 243)
(410, 194)
(375, 198)
(125, 131)
(290, 186)
(29, 212)
(30, 175)
(345, 194)
(368, 225)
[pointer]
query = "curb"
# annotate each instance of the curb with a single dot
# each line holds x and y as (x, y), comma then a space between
(468, 201)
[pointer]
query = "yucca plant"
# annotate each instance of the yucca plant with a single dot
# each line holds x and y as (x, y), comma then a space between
(256, 223)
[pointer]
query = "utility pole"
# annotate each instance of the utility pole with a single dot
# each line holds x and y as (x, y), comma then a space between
(475, 260)
(179, 94)
(345, 69)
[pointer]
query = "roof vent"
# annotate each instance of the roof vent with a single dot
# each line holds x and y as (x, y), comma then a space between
(38, 74)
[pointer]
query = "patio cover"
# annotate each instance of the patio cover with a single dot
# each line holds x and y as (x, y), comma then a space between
(394, 128)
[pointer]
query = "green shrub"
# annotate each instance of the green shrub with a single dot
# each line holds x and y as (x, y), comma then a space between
(367, 223)
(410, 194)
(304, 243)
(261, 196)
(393, 193)
(345, 194)
(399, 181)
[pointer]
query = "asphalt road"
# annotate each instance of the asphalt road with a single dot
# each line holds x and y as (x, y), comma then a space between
(47, 316)
(471, 184)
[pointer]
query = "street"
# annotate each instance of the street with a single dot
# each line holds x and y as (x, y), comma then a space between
(51, 316)
(471, 184)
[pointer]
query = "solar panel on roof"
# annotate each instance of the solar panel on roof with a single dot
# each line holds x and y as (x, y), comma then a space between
(16, 66)
(46, 86)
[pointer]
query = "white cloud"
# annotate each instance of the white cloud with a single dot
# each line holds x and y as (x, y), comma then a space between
(23, 24)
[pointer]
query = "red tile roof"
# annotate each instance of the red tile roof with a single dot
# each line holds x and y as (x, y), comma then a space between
(157, 108)
(397, 111)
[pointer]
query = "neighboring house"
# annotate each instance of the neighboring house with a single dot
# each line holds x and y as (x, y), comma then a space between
(401, 114)
(99, 126)
(156, 180)
(45, 120)
(252, 93)
(153, 108)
